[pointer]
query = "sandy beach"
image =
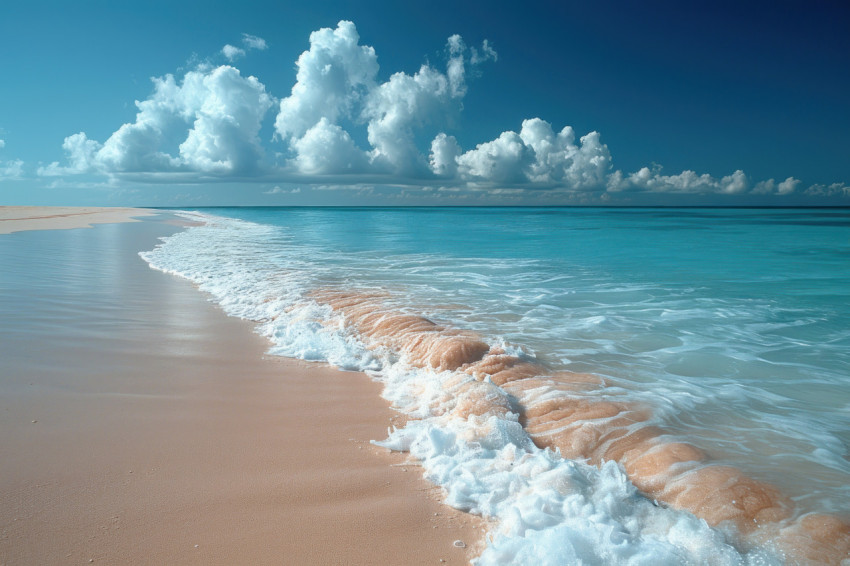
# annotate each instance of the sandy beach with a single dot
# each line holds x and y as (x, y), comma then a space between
(141, 425)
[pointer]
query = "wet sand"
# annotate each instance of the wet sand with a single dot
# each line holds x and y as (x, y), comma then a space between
(142, 425)
(21, 218)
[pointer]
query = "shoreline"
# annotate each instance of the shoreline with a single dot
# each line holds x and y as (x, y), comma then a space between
(563, 411)
(145, 425)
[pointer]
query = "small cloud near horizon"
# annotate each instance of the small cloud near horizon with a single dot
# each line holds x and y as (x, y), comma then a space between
(279, 191)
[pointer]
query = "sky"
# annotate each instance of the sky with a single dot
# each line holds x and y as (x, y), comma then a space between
(206, 103)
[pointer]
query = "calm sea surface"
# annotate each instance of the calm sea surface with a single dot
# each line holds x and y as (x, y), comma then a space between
(733, 325)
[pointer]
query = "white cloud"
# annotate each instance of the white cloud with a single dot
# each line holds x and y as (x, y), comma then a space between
(224, 137)
(11, 170)
(328, 149)
(279, 191)
(487, 53)
(787, 186)
(444, 153)
(538, 156)
(249, 42)
(254, 42)
(141, 146)
(337, 81)
(404, 103)
(767, 187)
(332, 76)
(686, 182)
(455, 70)
(232, 53)
(689, 182)
(502, 160)
(395, 107)
(734, 184)
(832, 190)
(589, 163)
(208, 123)
(212, 118)
(771, 187)
(80, 153)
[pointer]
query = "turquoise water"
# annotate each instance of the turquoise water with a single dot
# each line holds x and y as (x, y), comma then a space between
(732, 324)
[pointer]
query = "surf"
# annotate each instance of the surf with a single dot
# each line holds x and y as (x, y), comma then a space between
(498, 396)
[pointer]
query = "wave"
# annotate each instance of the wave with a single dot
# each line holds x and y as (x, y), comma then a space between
(567, 465)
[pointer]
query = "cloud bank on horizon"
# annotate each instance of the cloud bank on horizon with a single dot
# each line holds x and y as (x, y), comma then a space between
(206, 126)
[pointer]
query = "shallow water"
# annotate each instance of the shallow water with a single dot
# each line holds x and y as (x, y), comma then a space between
(726, 330)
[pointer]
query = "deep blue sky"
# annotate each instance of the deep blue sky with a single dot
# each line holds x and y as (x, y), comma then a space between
(708, 87)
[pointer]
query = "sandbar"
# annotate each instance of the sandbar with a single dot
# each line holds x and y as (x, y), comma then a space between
(21, 218)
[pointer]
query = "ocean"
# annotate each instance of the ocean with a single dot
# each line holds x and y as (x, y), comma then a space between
(606, 385)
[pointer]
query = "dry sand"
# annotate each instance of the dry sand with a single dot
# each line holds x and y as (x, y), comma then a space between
(141, 425)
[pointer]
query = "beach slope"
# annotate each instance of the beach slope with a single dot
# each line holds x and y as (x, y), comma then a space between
(142, 425)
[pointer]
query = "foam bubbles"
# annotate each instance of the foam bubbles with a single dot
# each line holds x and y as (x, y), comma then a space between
(554, 511)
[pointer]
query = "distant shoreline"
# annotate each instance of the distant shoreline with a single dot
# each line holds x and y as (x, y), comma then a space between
(23, 218)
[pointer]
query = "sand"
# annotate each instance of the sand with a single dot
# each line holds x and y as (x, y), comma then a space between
(20, 218)
(141, 425)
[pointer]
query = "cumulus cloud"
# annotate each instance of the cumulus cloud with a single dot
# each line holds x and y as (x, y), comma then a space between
(396, 107)
(333, 75)
(342, 119)
(538, 156)
(212, 118)
(224, 136)
(2, 144)
(444, 153)
(689, 182)
(80, 156)
(337, 80)
(209, 121)
(502, 160)
(787, 186)
(686, 182)
(734, 184)
(771, 187)
(328, 149)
